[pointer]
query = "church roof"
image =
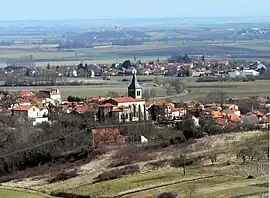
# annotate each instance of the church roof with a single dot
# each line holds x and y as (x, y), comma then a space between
(134, 83)
(126, 99)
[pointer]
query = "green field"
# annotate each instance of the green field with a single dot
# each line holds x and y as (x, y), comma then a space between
(43, 54)
(90, 91)
(17, 193)
(197, 89)
(234, 89)
(172, 180)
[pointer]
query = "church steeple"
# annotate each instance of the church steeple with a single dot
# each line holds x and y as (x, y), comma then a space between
(134, 89)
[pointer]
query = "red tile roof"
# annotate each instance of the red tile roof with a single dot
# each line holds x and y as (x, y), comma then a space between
(32, 98)
(107, 105)
(22, 108)
(5, 111)
(126, 99)
(22, 100)
(97, 98)
(26, 93)
(82, 109)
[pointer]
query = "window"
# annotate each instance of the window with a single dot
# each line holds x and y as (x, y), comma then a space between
(138, 93)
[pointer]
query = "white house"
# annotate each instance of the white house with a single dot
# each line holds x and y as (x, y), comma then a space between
(178, 112)
(51, 93)
(27, 111)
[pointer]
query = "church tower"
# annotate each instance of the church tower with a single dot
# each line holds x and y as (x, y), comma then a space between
(134, 89)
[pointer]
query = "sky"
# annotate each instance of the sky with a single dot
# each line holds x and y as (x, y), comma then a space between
(89, 9)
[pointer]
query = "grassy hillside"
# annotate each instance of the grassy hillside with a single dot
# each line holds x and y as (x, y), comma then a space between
(200, 180)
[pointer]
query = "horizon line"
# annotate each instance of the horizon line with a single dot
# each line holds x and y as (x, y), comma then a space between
(129, 18)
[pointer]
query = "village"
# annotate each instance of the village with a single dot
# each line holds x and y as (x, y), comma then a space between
(44, 106)
(23, 72)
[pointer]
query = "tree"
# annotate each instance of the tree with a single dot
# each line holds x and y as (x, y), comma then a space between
(113, 94)
(217, 96)
(126, 64)
(203, 58)
(183, 158)
(146, 93)
(37, 103)
(152, 93)
(213, 157)
(156, 81)
(48, 66)
(169, 91)
(186, 59)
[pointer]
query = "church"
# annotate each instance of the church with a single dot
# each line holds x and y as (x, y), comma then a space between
(131, 108)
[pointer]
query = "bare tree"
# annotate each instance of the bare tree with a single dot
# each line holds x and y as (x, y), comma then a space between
(213, 157)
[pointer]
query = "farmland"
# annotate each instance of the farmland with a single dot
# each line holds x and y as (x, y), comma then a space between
(200, 180)
(20, 193)
(45, 54)
(197, 89)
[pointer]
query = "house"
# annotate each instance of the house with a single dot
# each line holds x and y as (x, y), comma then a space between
(22, 102)
(26, 112)
(26, 93)
(50, 93)
(244, 73)
(258, 66)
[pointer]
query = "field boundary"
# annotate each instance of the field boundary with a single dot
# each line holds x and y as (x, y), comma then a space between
(25, 190)
(162, 185)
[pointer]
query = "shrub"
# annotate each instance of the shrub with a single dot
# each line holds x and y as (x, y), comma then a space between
(68, 195)
(97, 152)
(117, 173)
(64, 176)
(157, 164)
(129, 170)
(130, 155)
(168, 195)
(179, 162)
(6, 178)
(106, 176)
(155, 147)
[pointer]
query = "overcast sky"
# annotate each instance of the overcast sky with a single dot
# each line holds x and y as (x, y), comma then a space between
(87, 9)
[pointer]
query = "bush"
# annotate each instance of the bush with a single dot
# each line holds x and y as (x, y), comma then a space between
(117, 173)
(97, 152)
(106, 176)
(130, 170)
(168, 195)
(157, 164)
(179, 162)
(64, 176)
(7, 178)
(155, 147)
(130, 155)
(68, 195)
